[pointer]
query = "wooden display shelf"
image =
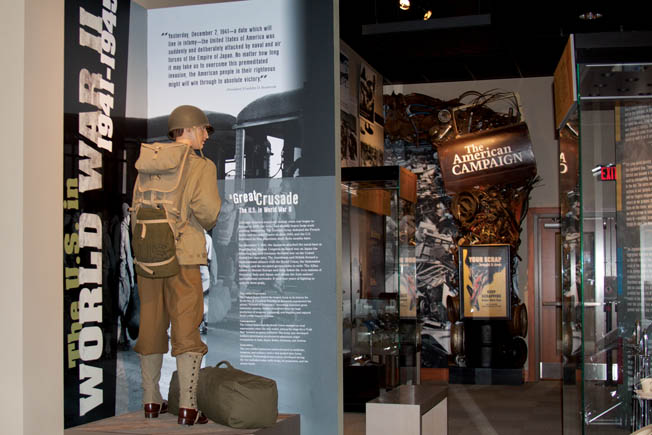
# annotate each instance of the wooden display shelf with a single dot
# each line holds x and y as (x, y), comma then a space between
(166, 424)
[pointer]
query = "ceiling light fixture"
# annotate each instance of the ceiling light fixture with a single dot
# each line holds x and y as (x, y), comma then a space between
(590, 16)
(427, 15)
(404, 4)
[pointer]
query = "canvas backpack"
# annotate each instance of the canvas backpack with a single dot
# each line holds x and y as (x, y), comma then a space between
(155, 208)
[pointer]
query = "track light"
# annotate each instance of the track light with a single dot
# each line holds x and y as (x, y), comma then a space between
(427, 15)
(590, 16)
(404, 4)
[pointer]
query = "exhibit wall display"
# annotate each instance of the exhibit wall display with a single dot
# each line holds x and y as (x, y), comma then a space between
(537, 103)
(96, 35)
(463, 151)
(633, 135)
(270, 283)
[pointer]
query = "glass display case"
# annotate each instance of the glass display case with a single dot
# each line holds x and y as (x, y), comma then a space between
(605, 188)
(379, 306)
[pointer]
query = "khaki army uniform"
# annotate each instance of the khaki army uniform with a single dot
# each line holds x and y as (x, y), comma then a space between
(193, 208)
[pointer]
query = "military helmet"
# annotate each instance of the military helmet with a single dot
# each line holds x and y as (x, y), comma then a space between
(186, 117)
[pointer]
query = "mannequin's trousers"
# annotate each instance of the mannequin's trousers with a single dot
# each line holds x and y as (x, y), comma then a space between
(176, 302)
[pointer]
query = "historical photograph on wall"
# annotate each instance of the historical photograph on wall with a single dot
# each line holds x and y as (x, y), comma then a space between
(349, 95)
(362, 120)
(349, 144)
(349, 83)
(371, 143)
(370, 83)
(371, 120)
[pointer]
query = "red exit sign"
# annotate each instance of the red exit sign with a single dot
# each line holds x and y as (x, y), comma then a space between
(607, 173)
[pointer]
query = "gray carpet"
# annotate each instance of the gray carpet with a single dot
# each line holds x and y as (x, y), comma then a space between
(529, 409)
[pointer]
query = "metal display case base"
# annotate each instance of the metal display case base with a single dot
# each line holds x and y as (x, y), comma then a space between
(362, 384)
(485, 376)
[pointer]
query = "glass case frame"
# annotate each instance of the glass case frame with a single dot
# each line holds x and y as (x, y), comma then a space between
(381, 334)
(605, 135)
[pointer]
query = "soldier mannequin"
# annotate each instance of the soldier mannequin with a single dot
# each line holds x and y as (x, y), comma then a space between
(177, 301)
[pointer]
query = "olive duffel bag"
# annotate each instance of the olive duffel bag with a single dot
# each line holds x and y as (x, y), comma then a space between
(231, 397)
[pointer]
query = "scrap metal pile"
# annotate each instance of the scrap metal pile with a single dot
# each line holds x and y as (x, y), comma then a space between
(418, 118)
(482, 214)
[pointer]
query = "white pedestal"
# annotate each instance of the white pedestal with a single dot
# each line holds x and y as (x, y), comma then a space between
(409, 410)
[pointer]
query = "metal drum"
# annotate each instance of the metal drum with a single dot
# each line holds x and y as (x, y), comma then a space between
(523, 322)
(519, 323)
(519, 351)
(567, 339)
(453, 308)
(457, 338)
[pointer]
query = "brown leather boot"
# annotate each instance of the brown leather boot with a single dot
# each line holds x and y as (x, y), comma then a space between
(188, 417)
(152, 410)
(188, 365)
(150, 368)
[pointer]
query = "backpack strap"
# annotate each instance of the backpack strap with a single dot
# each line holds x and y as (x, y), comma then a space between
(145, 222)
(156, 202)
(147, 266)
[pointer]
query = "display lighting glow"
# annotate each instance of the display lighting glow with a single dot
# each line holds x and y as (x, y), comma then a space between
(590, 16)
(404, 4)
(427, 15)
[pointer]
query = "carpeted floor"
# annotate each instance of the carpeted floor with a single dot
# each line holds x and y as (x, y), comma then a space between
(529, 409)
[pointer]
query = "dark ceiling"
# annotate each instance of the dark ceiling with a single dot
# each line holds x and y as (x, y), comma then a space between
(476, 39)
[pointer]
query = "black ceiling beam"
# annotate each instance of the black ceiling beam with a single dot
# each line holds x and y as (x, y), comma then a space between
(423, 25)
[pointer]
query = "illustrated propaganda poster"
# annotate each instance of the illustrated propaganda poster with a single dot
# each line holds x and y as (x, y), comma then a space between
(484, 282)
